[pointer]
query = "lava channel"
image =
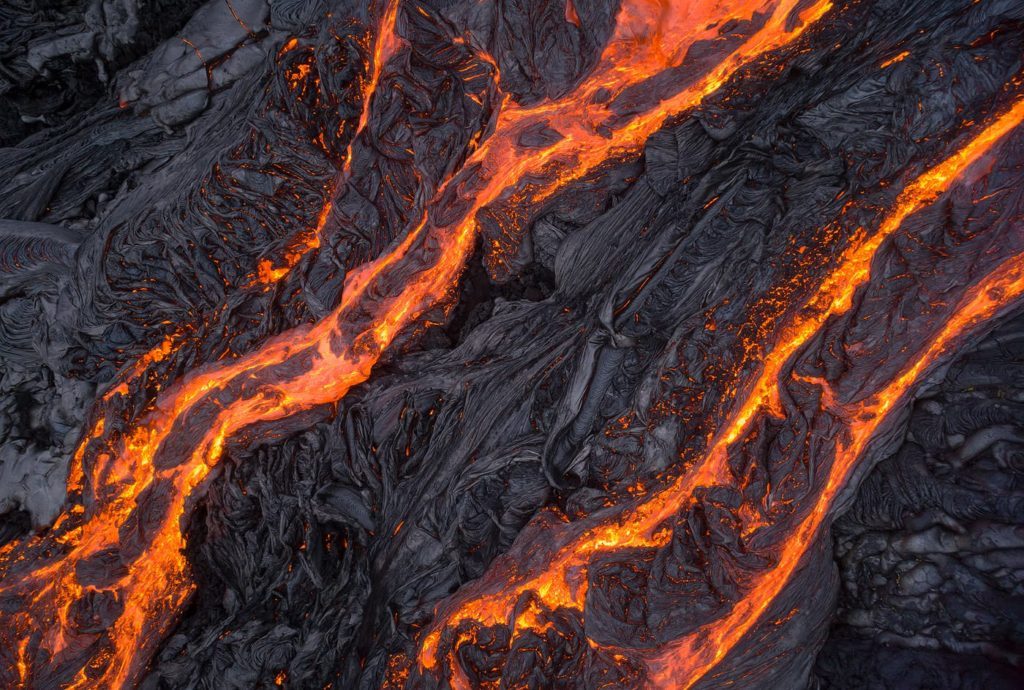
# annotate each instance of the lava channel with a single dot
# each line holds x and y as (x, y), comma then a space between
(142, 482)
(560, 582)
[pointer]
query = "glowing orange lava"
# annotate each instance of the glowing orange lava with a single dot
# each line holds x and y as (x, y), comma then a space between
(141, 482)
(562, 582)
(687, 660)
(385, 45)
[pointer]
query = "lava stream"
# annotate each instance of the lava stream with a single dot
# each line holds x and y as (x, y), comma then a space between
(141, 483)
(562, 582)
(687, 660)
(386, 43)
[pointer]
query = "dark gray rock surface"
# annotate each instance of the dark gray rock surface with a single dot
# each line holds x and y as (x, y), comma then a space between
(151, 167)
(931, 553)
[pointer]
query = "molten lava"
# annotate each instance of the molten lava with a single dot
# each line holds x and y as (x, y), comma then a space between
(687, 660)
(123, 554)
(562, 581)
(385, 43)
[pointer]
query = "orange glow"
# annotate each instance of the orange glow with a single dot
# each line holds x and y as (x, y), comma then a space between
(268, 274)
(562, 582)
(386, 43)
(685, 661)
(157, 354)
(570, 13)
(896, 58)
(22, 664)
(318, 364)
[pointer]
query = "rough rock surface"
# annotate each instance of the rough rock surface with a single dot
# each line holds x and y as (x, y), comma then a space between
(156, 170)
(930, 553)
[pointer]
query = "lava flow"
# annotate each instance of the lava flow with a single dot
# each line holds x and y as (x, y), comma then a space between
(121, 558)
(684, 662)
(385, 43)
(560, 582)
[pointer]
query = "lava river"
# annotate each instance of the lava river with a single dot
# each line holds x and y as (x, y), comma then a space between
(88, 602)
(120, 555)
(524, 599)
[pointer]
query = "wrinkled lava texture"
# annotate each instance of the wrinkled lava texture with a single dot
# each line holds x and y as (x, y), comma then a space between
(512, 344)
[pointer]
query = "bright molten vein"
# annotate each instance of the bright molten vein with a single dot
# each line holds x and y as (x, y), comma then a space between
(563, 581)
(318, 364)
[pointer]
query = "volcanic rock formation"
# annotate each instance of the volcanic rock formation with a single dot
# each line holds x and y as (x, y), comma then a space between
(520, 344)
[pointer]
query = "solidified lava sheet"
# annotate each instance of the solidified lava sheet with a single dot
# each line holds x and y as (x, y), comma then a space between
(508, 344)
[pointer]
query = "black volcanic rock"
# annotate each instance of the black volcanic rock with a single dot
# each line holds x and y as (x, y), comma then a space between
(162, 159)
